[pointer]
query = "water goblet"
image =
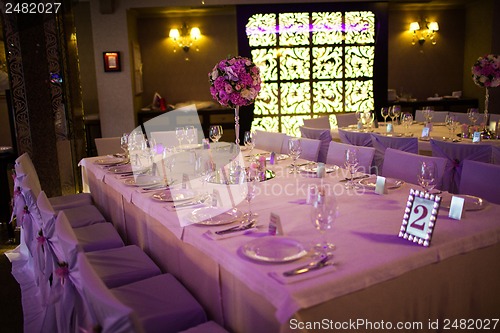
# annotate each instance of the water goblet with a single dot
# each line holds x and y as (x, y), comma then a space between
(124, 144)
(385, 113)
(407, 120)
(249, 140)
(394, 112)
(294, 150)
(427, 174)
(324, 211)
(473, 115)
(190, 134)
(249, 191)
(451, 124)
(215, 133)
(368, 118)
(180, 133)
(351, 164)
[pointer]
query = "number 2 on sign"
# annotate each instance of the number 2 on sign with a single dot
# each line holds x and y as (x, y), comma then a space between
(423, 211)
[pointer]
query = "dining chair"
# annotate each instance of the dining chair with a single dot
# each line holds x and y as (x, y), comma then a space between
(24, 168)
(405, 166)
(270, 141)
(419, 116)
(153, 305)
(346, 119)
(318, 122)
(108, 146)
(439, 116)
(323, 135)
(336, 155)
(355, 138)
(382, 142)
(456, 153)
(495, 155)
(461, 117)
(479, 179)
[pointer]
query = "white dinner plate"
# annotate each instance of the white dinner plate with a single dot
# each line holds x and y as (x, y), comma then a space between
(313, 168)
(371, 182)
(274, 249)
(213, 216)
(144, 180)
(109, 160)
(470, 203)
(174, 195)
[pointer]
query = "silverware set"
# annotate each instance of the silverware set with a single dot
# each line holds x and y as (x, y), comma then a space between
(237, 228)
(312, 266)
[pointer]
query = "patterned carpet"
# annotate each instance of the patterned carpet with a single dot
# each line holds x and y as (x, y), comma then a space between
(11, 313)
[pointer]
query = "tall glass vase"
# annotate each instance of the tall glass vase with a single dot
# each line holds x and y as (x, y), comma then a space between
(237, 124)
(486, 132)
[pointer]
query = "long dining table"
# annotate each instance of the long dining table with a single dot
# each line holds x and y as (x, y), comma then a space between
(377, 279)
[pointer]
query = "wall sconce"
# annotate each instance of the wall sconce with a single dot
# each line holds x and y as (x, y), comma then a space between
(185, 37)
(429, 32)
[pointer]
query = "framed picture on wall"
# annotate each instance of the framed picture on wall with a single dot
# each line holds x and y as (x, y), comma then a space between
(112, 61)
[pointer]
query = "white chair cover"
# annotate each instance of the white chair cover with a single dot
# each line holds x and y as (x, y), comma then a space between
(336, 155)
(461, 117)
(456, 153)
(495, 155)
(355, 138)
(439, 116)
(270, 141)
(480, 179)
(405, 166)
(419, 116)
(71, 201)
(346, 119)
(108, 146)
(323, 135)
(166, 138)
(162, 304)
(382, 142)
(123, 265)
(99, 236)
(319, 122)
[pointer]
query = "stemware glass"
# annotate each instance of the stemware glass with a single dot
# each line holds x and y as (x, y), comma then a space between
(250, 190)
(324, 212)
(124, 144)
(368, 118)
(407, 120)
(215, 133)
(249, 140)
(294, 150)
(180, 133)
(428, 112)
(385, 113)
(351, 164)
(473, 115)
(451, 124)
(394, 112)
(427, 175)
(190, 134)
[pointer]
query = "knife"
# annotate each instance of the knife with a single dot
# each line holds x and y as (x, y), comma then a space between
(236, 228)
(312, 266)
(355, 178)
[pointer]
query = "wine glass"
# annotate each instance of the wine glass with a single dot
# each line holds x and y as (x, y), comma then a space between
(124, 144)
(324, 212)
(249, 141)
(190, 134)
(407, 120)
(428, 112)
(249, 191)
(385, 113)
(180, 133)
(451, 124)
(294, 150)
(427, 174)
(394, 112)
(351, 164)
(473, 115)
(215, 133)
(368, 118)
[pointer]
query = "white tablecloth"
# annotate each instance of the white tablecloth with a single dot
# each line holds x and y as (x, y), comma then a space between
(371, 260)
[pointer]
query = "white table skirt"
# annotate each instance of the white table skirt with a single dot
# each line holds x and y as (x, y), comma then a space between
(370, 259)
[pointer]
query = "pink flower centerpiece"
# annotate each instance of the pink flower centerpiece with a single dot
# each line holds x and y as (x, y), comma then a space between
(235, 82)
(486, 73)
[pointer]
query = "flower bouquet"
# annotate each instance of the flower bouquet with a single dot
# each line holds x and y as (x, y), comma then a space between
(486, 73)
(235, 82)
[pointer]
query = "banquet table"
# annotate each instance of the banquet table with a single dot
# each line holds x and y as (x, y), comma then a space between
(377, 278)
(439, 131)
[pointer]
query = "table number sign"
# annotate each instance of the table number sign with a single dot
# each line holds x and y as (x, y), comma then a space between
(389, 128)
(476, 137)
(425, 132)
(275, 227)
(456, 208)
(381, 185)
(420, 217)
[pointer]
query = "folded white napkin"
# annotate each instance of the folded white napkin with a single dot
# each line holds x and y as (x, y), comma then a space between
(213, 236)
(278, 275)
